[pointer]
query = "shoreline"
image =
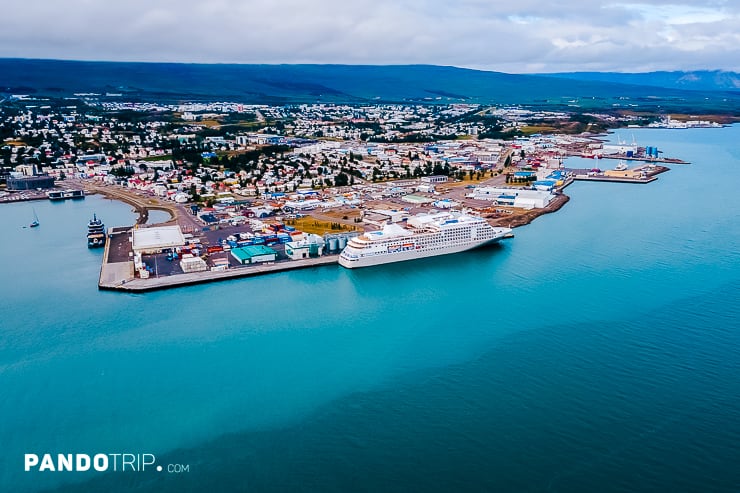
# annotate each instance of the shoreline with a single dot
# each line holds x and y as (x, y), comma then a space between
(137, 285)
(140, 205)
(529, 216)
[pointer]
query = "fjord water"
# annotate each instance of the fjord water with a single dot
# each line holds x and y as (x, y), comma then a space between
(599, 350)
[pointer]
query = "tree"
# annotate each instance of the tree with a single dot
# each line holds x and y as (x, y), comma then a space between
(122, 172)
(342, 180)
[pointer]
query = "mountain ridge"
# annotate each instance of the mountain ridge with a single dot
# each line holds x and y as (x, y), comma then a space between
(306, 83)
(703, 80)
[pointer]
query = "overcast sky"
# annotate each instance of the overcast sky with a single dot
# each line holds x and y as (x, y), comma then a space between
(515, 36)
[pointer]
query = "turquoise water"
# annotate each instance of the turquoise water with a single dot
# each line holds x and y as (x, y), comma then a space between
(599, 350)
(156, 217)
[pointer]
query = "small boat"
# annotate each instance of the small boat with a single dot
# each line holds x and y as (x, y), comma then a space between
(621, 166)
(35, 221)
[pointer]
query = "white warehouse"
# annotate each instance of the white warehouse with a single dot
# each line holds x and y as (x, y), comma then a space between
(515, 197)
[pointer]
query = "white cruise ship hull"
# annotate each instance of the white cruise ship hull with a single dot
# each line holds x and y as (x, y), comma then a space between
(387, 258)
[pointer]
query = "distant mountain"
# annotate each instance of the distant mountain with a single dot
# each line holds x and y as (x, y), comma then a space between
(286, 84)
(715, 80)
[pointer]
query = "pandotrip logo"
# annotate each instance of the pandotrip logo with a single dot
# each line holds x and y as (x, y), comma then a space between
(121, 462)
(90, 462)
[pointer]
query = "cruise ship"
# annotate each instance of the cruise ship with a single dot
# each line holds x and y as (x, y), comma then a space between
(424, 236)
(95, 232)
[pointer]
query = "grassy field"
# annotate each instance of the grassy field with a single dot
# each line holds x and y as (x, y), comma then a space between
(311, 225)
(538, 129)
(208, 123)
(164, 157)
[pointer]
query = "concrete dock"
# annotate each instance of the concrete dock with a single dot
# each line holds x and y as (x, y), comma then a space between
(614, 179)
(649, 175)
(117, 274)
(165, 282)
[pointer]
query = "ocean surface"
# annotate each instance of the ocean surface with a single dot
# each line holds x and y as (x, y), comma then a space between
(597, 351)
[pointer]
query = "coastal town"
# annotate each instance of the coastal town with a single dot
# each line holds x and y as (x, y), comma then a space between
(255, 188)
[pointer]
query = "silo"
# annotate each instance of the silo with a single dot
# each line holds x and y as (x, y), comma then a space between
(333, 244)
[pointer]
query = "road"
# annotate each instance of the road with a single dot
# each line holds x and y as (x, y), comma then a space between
(141, 202)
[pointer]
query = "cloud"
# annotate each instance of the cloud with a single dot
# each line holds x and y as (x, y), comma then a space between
(521, 36)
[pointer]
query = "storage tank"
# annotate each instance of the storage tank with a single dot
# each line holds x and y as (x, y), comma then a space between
(342, 242)
(313, 249)
(333, 244)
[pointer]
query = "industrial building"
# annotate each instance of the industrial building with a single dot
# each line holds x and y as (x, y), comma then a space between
(253, 254)
(380, 217)
(417, 199)
(296, 250)
(515, 197)
(29, 182)
(434, 179)
(154, 240)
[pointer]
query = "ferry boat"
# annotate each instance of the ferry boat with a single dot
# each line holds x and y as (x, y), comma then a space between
(425, 235)
(65, 194)
(95, 232)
